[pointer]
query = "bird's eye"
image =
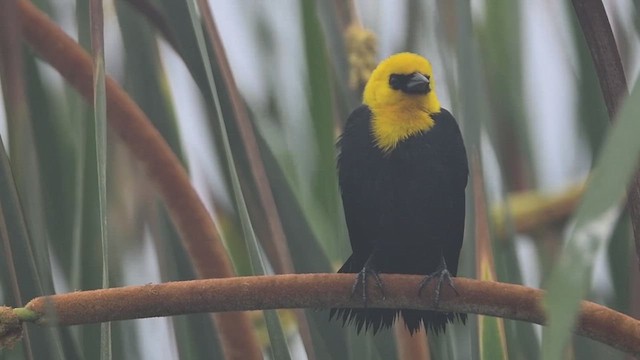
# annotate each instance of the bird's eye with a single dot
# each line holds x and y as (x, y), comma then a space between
(395, 81)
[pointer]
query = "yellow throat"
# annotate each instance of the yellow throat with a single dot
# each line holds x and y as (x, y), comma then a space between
(398, 115)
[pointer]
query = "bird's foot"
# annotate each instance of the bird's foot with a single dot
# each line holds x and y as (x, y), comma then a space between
(361, 281)
(440, 275)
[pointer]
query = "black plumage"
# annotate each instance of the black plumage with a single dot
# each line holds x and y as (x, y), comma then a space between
(404, 208)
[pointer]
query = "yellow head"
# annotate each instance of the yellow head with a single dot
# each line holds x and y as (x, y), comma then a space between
(402, 98)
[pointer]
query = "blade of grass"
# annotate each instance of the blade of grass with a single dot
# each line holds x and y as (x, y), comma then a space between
(10, 274)
(278, 343)
(334, 20)
(508, 218)
(130, 123)
(198, 232)
(238, 130)
(15, 101)
(591, 107)
(89, 262)
(309, 256)
(383, 346)
(606, 58)
(621, 259)
(54, 138)
(100, 118)
(472, 115)
(597, 31)
(13, 91)
(325, 199)
(493, 342)
(279, 347)
(195, 335)
(78, 112)
(522, 341)
(362, 347)
(275, 242)
(594, 221)
(157, 18)
(146, 80)
(176, 13)
(88, 255)
(25, 216)
(500, 44)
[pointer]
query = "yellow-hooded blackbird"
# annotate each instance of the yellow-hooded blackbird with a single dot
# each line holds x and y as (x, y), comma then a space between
(403, 171)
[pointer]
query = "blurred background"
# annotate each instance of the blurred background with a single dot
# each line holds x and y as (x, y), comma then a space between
(517, 75)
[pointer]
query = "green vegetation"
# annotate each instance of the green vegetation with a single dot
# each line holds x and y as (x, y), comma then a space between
(263, 161)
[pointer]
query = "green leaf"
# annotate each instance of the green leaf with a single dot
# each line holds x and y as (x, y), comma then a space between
(621, 254)
(522, 342)
(492, 338)
(100, 119)
(325, 203)
(146, 80)
(25, 244)
(500, 43)
(55, 131)
(593, 225)
(279, 345)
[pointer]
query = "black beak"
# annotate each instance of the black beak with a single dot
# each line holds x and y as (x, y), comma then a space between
(418, 84)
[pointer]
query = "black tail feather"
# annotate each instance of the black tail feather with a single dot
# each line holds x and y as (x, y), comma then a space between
(433, 321)
(369, 319)
(375, 319)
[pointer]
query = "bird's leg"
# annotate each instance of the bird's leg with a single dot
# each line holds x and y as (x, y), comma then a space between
(361, 280)
(441, 274)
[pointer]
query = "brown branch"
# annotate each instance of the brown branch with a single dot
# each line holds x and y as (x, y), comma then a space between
(198, 232)
(508, 301)
(606, 58)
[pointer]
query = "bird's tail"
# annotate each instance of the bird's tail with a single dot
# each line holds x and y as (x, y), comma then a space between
(433, 321)
(375, 319)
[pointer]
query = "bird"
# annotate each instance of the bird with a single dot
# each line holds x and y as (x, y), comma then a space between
(402, 171)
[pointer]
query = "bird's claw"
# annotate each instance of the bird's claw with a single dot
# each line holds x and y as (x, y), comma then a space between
(441, 274)
(361, 279)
